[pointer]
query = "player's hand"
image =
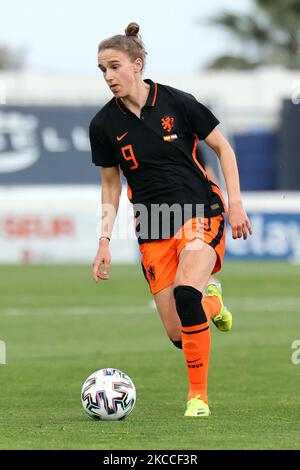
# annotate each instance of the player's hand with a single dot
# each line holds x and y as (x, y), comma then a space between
(237, 218)
(101, 262)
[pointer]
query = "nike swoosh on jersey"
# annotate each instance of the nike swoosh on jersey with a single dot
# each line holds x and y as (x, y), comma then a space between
(121, 136)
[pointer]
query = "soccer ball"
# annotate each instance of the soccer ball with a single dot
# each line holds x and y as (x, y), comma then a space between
(108, 394)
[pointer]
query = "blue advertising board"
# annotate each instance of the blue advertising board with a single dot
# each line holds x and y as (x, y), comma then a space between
(275, 236)
(46, 145)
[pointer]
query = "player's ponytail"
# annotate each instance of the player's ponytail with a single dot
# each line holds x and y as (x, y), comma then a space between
(131, 43)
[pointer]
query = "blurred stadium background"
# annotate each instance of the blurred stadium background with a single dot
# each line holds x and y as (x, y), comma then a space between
(54, 321)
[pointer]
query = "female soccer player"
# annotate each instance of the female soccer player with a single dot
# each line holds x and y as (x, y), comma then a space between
(150, 132)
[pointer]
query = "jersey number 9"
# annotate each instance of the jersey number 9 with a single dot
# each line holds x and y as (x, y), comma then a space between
(128, 154)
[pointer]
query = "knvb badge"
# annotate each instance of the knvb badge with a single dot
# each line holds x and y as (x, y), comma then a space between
(2, 352)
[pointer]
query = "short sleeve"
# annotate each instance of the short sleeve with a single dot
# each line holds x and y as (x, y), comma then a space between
(203, 121)
(102, 150)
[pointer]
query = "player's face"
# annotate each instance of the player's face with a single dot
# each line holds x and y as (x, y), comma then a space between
(118, 70)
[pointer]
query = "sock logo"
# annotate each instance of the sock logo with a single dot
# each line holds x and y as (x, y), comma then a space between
(195, 366)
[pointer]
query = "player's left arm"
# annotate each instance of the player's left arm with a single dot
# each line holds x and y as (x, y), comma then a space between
(237, 216)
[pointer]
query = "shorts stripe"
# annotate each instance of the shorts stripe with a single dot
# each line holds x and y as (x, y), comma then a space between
(219, 235)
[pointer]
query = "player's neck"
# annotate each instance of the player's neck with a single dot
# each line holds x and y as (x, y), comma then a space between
(137, 97)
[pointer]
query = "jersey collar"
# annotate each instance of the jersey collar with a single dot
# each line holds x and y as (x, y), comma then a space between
(151, 100)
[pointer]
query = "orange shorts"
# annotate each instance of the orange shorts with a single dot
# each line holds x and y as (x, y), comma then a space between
(160, 258)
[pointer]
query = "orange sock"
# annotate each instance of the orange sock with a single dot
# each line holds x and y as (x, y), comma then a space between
(196, 347)
(195, 318)
(211, 306)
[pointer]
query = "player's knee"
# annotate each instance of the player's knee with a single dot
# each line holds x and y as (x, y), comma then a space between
(177, 344)
(188, 305)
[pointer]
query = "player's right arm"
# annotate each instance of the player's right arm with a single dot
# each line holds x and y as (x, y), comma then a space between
(110, 198)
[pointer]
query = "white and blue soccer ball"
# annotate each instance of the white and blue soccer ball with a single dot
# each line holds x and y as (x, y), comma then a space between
(108, 394)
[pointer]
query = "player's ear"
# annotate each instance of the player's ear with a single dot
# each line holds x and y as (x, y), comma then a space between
(138, 65)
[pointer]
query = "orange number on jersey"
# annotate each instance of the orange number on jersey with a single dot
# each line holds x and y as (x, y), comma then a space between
(129, 156)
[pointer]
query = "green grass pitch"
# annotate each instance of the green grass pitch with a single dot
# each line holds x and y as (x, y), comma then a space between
(59, 327)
